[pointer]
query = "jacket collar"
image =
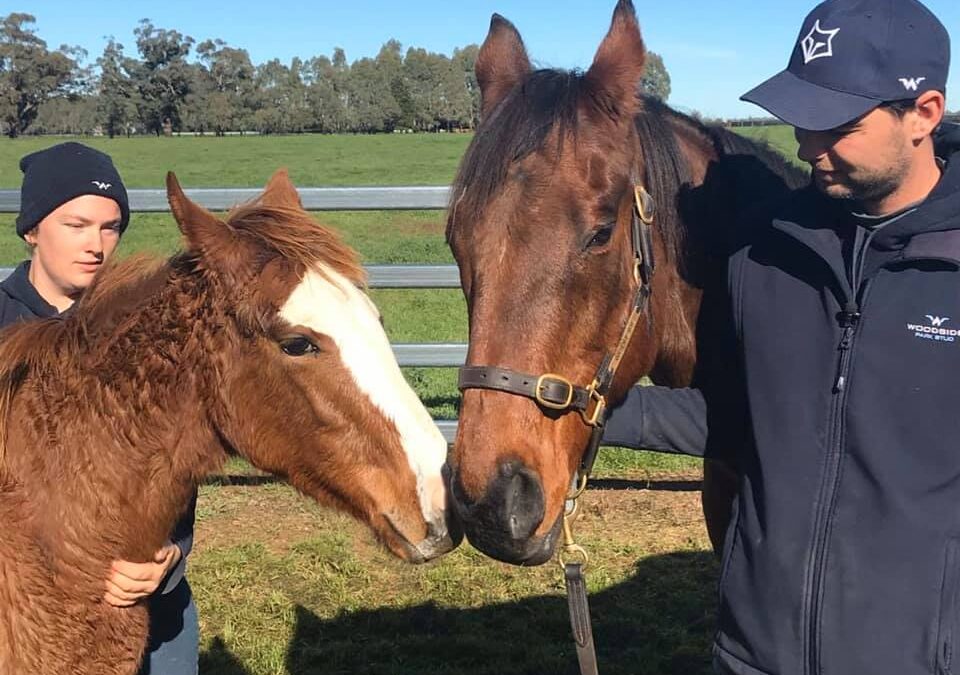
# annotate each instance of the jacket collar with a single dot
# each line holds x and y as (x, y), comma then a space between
(18, 287)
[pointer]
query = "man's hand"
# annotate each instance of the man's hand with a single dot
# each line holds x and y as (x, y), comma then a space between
(129, 582)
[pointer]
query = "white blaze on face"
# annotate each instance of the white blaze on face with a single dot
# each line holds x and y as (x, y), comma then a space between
(331, 305)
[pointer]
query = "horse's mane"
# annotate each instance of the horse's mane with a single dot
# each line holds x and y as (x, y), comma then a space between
(553, 99)
(665, 170)
(731, 143)
(25, 348)
(46, 347)
(516, 128)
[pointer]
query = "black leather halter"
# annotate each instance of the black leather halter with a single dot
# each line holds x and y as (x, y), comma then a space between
(555, 392)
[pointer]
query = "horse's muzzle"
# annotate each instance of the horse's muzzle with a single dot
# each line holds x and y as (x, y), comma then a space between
(441, 539)
(504, 521)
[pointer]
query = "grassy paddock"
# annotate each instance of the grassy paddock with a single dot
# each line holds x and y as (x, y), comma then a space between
(780, 136)
(313, 160)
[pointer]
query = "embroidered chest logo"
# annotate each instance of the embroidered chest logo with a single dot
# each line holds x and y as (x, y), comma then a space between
(935, 329)
(818, 44)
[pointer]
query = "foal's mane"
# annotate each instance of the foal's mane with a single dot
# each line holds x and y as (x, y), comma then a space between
(24, 348)
(46, 345)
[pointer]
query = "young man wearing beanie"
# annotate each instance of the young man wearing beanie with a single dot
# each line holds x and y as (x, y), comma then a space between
(73, 210)
(829, 364)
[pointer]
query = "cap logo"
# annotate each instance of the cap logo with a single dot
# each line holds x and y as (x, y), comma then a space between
(818, 44)
(911, 83)
(102, 186)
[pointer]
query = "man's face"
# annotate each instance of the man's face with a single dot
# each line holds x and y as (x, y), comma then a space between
(865, 160)
(73, 241)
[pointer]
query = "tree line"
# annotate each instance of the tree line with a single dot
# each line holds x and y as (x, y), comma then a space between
(176, 84)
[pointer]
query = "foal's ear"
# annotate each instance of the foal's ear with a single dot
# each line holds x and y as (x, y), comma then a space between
(280, 191)
(201, 228)
(501, 64)
(618, 65)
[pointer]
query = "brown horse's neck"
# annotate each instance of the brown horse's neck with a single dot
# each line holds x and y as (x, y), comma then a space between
(120, 407)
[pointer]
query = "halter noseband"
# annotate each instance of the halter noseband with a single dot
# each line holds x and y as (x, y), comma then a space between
(555, 392)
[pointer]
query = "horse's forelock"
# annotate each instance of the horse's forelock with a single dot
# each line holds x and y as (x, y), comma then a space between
(292, 235)
(546, 101)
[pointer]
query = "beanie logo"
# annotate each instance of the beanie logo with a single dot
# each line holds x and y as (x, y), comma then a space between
(102, 186)
(818, 44)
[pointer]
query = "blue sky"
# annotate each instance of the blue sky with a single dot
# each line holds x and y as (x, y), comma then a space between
(713, 50)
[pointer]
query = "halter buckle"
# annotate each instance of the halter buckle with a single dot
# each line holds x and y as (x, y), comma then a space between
(599, 401)
(553, 404)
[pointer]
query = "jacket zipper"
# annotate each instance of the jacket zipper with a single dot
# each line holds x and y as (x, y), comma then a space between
(849, 320)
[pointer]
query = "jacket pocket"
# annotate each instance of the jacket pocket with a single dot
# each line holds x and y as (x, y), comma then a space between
(730, 542)
(947, 638)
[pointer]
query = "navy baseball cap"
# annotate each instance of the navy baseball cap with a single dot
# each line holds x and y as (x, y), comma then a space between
(853, 55)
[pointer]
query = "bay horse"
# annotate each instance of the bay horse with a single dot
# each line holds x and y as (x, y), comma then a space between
(256, 339)
(543, 222)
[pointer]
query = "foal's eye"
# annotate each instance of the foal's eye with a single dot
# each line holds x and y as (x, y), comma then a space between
(601, 237)
(298, 346)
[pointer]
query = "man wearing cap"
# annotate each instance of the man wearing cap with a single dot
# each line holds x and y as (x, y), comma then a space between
(829, 366)
(73, 211)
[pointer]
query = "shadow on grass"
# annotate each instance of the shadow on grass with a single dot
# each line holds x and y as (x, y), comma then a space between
(251, 477)
(218, 659)
(452, 400)
(255, 480)
(658, 622)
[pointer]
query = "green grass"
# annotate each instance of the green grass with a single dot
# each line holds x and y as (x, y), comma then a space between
(780, 136)
(310, 593)
(313, 160)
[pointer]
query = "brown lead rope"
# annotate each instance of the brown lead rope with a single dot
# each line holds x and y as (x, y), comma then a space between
(573, 559)
(580, 618)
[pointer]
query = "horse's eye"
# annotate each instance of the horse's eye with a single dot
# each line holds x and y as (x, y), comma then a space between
(298, 346)
(601, 237)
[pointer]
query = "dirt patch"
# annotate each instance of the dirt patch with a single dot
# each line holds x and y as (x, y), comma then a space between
(660, 513)
(272, 514)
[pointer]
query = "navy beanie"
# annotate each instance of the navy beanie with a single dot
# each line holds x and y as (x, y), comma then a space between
(54, 176)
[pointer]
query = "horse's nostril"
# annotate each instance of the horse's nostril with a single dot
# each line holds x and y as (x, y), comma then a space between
(523, 505)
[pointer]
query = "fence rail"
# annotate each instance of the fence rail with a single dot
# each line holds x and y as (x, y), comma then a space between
(424, 355)
(314, 199)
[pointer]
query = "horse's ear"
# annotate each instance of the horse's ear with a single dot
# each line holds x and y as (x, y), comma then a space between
(501, 64)
(280, 191)
(200, 227)
(618, 65)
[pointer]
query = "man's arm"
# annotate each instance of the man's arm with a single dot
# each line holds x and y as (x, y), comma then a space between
(130, 582)
(661, 419)
(182, 537)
